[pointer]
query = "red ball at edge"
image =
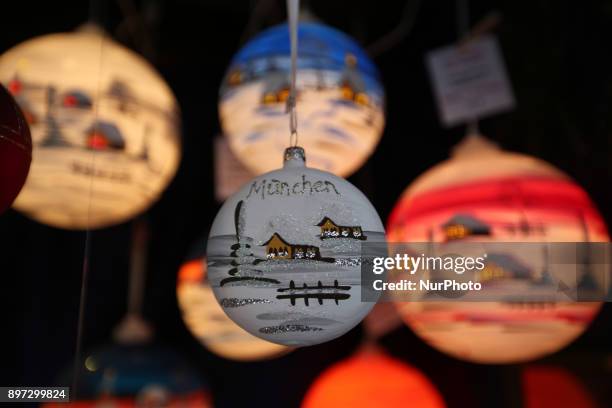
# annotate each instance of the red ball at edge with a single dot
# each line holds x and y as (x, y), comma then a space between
(15, 149)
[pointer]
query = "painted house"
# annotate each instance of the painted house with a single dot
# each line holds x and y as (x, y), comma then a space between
(329, 229)
(104, 136)
(278, 248)
(462, 226)
(276, 88)
(352, 85)
(76, 99)
(505, 266)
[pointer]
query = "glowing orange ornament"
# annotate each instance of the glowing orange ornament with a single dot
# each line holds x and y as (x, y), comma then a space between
(372, 379)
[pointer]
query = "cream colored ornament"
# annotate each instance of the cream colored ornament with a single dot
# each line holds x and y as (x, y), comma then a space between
(484, 194)
(105, 128)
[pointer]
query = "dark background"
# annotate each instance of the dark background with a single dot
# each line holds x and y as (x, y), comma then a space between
(559, 61)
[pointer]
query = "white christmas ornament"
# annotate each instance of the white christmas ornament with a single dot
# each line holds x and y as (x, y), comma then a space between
(284, 254)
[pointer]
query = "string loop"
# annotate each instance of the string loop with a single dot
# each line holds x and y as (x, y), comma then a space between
(292, 17)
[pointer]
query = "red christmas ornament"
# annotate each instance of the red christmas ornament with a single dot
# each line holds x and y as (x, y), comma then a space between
(15, 149)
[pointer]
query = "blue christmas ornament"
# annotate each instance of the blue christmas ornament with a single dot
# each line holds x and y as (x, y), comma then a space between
(339, 96)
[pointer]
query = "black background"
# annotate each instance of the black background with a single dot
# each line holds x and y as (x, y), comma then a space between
(558, 57)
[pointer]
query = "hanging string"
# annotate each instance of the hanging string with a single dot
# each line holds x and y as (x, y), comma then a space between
(81, 317)
(133, 329)
(137, 267)
(462, 11)
(293, 12)
(399, 33)
(96, 16)
(462, 18)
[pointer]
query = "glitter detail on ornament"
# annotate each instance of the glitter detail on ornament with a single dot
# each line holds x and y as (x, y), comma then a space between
(235, 302)
(290, 328)
(294, 153)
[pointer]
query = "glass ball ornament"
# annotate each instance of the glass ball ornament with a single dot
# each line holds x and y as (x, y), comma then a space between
(206, 320)
(284, 254)
(105, 128)
(340, 100)
(484, 194)
(15, 149)
(372, 379)
(137, 375)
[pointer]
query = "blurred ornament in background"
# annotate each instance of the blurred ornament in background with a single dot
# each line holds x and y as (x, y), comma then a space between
(340, 100)
(284, 254)
(207, 321)
(551, 386)
(15, 149)
(135, 370)
(371, 379)
(105, 128)
(484, 194)
(230, 173)
(138, 375)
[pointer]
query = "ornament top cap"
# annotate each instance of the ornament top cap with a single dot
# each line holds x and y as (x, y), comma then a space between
(294, 157)
(474, 145)
(91, 28)
(132, 330)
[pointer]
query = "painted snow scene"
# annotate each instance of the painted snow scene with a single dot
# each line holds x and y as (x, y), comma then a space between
(285, 255)
(104, 127)
(206, 320)
(486, 195)
(340, 100)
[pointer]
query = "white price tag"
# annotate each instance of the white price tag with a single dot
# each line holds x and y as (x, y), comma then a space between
(230, 174)
(469, 81)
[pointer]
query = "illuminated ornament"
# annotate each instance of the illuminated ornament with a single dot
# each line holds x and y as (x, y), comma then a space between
(141, 375)
(104, 127)
(209, 324)
(485, 195)
(284, 254)
(372, 380)
(15, 150)
(339, 95)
